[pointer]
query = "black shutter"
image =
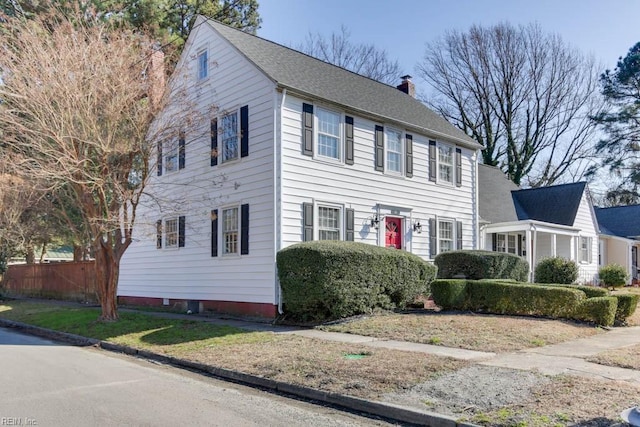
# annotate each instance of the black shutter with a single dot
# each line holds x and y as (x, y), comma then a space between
(458, 167)
(159, 234)
(409, 155)
(181, 151)
(214, 142)
(519, 237)
(349, 225)
(433, 238)
(379, 142)
(244, 229)
(159, 162)
(348, 140)
(181, 223)
(459, 235)
(494, 242)
(307, 129)
(433, 173)
(307, 222)
(244, 131)
(214, 232)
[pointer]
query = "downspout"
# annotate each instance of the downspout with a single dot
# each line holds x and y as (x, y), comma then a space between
(277, 166)
(476, 203)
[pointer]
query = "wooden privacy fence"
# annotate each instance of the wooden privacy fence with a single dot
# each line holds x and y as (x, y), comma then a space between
(70, 281)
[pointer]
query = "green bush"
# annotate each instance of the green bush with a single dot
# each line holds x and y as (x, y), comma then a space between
(522, 299)
(600, 310)
(556, 270)
(613, 275)
(449, 294)
(327, 280)
(474, 265)
(627, 304)
(590, 291)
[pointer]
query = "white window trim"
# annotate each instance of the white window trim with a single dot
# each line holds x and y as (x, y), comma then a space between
(174, 144)
(221, 240)
(316, 218)
(387, 130)
(506, 243)
(453, 164)
(589, 250)
(452, 221)
(316, 133)
(202, 51)
(165, 234)
(221, 146)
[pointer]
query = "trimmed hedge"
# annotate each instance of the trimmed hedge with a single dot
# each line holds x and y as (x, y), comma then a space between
(556, 270)
(586, 303)
(523, 299)
(449, 294)
(326, 280)
(475, 265)
(627, 304)
(600, 310)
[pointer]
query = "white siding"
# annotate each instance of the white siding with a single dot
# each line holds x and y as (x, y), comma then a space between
(587, 223)
(191, 272)
(359, 186)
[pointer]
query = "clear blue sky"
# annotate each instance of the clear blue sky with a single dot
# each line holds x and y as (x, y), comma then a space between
(604, 28)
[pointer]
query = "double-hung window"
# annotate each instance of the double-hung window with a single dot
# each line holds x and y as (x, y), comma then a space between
(329, 223)
(328, 133)
(203, 65)
(230, 231)
(394, 151)
(445, 236)
(171, 233)
(229, 136)
(445, 163)
(171, 155)
(584, 250)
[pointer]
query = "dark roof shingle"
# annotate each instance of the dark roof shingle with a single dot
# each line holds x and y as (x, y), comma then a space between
(309, 76)
(621, 221)
(494, 194)
(556, 204)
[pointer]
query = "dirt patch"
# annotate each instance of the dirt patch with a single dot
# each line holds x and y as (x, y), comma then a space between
(336, 367)
(471, 331)
(628, 357)
(505, 397)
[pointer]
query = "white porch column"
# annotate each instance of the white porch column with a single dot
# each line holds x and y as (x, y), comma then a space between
(572, 248)
(554, 245)
(528, 246)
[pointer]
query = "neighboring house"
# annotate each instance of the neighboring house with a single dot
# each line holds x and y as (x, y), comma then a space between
(537, 223)
(620, 238)
(305, 151)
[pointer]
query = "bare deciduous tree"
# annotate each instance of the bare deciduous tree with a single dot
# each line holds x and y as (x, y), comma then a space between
(78, 102)
(364, 59)
(525, 95)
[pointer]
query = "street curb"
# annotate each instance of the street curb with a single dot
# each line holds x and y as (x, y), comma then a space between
(385, 410)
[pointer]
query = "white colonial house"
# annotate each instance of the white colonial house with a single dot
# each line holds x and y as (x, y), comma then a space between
(295, 150)
(537, 223)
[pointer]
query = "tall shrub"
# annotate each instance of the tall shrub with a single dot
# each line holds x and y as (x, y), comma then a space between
(475, 265)
(556, 270)
(613, 275)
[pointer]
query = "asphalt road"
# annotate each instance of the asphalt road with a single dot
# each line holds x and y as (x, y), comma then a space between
(47, 384)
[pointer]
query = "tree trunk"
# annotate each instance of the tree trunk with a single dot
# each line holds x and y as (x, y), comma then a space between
(107, 271)
(78, 252)
(30, 255)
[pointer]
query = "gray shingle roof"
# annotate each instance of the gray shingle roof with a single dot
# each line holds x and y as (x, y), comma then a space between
(557, 204)
(494, 195)
(309, 76)
(621, 221)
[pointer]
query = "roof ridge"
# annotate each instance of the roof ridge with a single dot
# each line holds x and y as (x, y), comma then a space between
(553, 186)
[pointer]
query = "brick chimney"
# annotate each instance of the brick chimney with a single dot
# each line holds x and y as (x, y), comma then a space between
(156, 75)
(407, 86)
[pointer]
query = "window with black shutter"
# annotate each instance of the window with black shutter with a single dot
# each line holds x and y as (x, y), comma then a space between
(409, 155)
(379, 147)
(307, 129)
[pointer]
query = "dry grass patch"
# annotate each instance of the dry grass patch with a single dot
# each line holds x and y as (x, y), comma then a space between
(322, 365)
(628, 357)
(567, 400)
(467, 330)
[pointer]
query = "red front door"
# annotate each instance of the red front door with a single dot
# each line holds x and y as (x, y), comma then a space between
(393, 232)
